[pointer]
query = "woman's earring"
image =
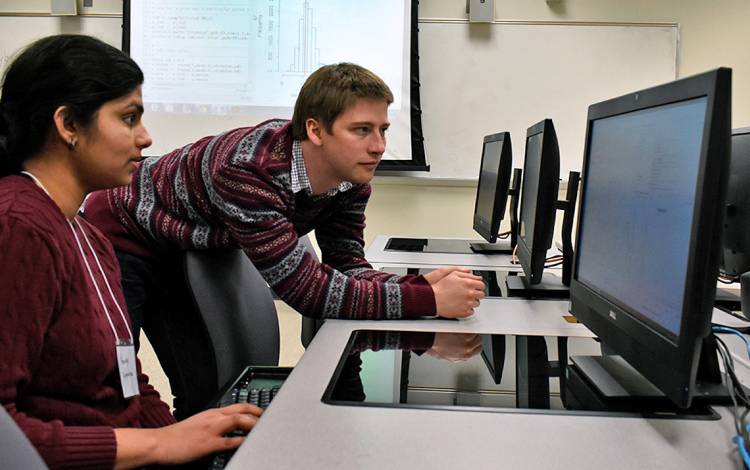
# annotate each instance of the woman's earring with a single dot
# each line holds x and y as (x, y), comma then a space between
(72, 144)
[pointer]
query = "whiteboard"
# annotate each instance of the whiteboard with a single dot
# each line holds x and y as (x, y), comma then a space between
(20, 31)
(479, 79)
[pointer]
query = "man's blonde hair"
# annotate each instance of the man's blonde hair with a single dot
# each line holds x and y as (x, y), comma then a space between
(332, 89)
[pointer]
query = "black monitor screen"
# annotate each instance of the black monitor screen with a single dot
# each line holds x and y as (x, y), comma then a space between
(649, 233)
(639, 203)
(494, 180)
(541, 175)
(530, 187)
(488, 179)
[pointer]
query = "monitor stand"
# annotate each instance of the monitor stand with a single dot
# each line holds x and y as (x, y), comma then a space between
(728, 298)
(551, 287)
(609, 382)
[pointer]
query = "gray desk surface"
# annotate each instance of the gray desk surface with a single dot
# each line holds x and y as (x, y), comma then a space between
(299, 431)
(377, 254)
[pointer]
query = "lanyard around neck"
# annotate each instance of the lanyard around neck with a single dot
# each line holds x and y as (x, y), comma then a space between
(89, 270)
(36, 181)
(96, 285)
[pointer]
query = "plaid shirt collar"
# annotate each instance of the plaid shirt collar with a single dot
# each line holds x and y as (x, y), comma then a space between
(300, 180)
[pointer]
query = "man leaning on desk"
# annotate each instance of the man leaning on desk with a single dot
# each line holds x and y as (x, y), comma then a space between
(260, 189)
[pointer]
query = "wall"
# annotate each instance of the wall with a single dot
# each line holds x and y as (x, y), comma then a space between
(712, 34)
(479, 79)
(100, 7)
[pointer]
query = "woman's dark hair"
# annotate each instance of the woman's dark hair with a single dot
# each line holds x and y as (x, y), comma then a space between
(78, 72)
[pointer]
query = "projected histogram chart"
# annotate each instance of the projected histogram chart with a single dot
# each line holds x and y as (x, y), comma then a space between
(224, 56)
(296, 37)
(306, 57)
(302, 52)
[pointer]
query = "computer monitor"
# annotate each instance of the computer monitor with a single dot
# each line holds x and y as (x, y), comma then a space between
(649, 228)
(493, 191)
(541, 174)
(736, 254)
(494, 182)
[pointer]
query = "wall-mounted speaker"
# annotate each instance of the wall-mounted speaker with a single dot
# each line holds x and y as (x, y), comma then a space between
(63, 7)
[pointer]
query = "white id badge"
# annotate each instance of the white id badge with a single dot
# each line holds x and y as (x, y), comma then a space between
(126, 366)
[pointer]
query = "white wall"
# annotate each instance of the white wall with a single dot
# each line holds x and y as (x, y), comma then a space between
(713, 34)
(43, 6)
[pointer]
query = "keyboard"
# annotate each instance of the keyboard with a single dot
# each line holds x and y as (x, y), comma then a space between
(257, 385)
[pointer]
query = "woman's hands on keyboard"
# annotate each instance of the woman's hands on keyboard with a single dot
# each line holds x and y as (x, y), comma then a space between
(195, 437)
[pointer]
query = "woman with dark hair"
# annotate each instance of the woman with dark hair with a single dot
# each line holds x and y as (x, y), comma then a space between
(70, 123)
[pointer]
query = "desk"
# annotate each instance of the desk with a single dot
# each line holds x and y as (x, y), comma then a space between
(378, 255)
(394, 261)
(299, 431)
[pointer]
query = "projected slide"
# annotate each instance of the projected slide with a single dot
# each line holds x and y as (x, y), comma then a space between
(226, 56)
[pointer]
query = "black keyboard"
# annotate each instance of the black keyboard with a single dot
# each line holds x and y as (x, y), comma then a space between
(256, 385)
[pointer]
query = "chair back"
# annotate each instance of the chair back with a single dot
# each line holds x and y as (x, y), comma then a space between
(237, 308)
(310, 326)
(15, 449)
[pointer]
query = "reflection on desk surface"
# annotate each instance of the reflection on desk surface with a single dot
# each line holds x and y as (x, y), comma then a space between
(465, 371)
